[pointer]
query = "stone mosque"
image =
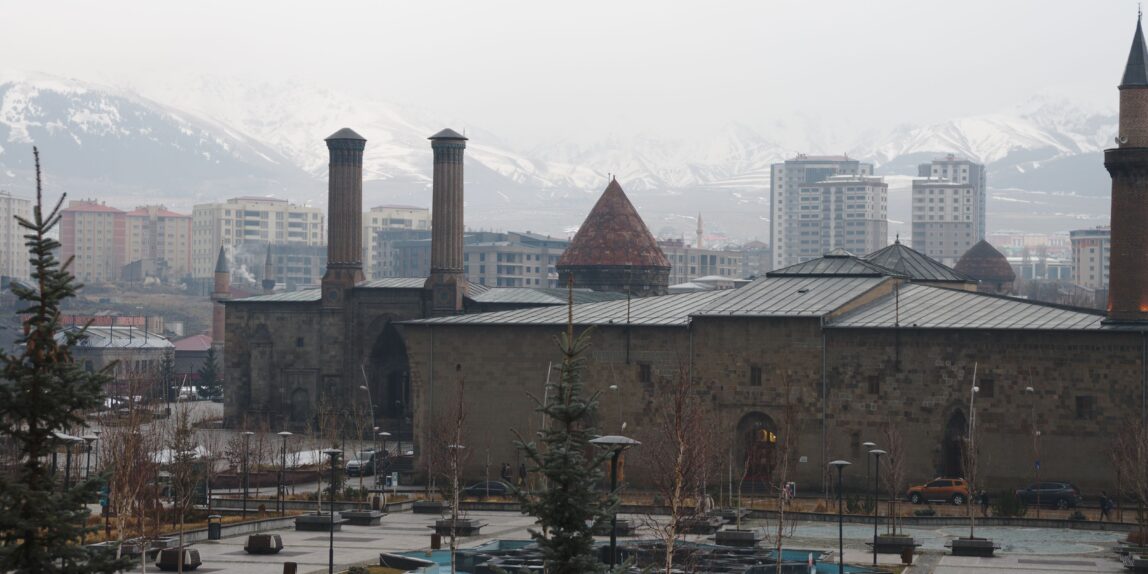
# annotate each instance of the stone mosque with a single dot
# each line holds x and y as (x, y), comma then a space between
(848, 343)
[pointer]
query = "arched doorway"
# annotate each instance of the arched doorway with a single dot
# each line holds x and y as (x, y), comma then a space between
(952, 444)
(757, 448)
(388, 376)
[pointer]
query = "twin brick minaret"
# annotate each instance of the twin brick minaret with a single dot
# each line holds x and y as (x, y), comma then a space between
(345, 216)
(447, 282)
(1128, 166)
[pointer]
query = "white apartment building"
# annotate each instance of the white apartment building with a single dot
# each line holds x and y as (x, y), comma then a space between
(689, 262)
(949, 208)
(792, 238)
(13, 253)
(1090, 257)
(847, 212)
(250, 219)
(388, 217)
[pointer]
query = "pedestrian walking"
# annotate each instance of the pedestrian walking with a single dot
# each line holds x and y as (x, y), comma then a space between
(521, 475)
(984, 504)
(1105, 506)
(506, 472)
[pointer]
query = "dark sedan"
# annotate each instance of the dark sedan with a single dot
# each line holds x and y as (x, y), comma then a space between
(1060, 495)
(487, 489)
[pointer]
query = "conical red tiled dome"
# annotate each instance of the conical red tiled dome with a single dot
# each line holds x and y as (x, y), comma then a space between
(613, 234)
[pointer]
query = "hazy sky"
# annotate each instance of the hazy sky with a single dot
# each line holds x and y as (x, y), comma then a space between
(539, 70)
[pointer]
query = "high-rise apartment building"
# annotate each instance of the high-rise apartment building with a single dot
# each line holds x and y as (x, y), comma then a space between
(250, 219)
(949, 208)
(95, 235)
(155, 234)
(388, 217)
(795, 238)
(13, 253)
(1090, 257)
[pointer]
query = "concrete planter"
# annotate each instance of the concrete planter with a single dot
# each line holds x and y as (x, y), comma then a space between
(429, 507)
(1135, 563)
(263, 544)
(893, 544)
(731, 515)
(701, 524)
(319, 523)
(363, 517)
(739, 538)
(168, 560)
(462, 527)
(972, 547)
(625, 528)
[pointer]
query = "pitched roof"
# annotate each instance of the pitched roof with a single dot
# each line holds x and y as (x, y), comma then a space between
(544, 296)
(1136, 70)
(791, 296)
(913, 264)
(613, 235)
(221, 261)
(447, 134)
(930, 307)
(193, 343)
(983, 262)
(90, 206)
(345, 134)
(665, 310)
(836, 263)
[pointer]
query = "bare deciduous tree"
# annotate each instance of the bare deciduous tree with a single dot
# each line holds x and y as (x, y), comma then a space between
(894, 471)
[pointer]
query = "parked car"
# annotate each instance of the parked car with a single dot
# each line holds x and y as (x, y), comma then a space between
(955, 490)
(1062, 495)
(486, 489)
(364, 464)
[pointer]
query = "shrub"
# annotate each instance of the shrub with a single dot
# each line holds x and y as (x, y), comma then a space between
(925, 512)
(1077, 516)
(1008, 504)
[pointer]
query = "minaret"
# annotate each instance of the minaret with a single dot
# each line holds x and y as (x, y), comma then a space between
(221, 293)
(1128, 166)
(698, 244)
(447, 282)
(268, 273)
(344, 216)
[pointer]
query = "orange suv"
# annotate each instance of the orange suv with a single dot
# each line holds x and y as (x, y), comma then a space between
(954, 490)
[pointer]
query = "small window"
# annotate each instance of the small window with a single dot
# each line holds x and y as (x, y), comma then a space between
(645, 373)
(986, 387)
(299, 342)
(755, 376)
(874, 385)
(1085, 407)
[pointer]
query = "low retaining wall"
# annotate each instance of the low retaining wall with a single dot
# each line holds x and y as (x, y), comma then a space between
(231, 505)
(238, 529)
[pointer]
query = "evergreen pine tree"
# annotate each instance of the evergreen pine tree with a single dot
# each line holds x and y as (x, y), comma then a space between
(570, 504)
(44, 392)
(209, 383)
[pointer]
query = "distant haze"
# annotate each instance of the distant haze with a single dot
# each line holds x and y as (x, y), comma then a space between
(541, 73)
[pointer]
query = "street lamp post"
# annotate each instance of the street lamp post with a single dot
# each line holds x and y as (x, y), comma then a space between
(334, 454)
(876, 480)
(88, 463)
(385, 456)
(868, 446)
(96, 433)
(617, 444)
(399, 406)
(280, 500)
(246, 473)
(1035, 444)
(840, 465)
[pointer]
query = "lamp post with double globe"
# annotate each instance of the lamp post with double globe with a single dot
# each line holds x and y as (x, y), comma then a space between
(840, 466)
(616, 444)
(246, 470)
(876, 481)
(334, 454)
(280, 498)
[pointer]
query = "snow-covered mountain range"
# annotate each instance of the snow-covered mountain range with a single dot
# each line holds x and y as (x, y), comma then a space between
(215, 138)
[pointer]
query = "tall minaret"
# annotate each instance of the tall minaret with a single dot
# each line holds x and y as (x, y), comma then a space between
(220, 293)
(698, 244)
(447, 282)
(344, 216)
(1128, 166)
(268, 272)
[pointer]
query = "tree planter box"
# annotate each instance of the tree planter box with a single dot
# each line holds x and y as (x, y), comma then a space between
(701, 524)
(731, 515)
(972, 547)
(263, 544)
(363, 517)
(893, 544)
(319, 523)
(168, 560)
(462, 527)
(739, 538)
(430, 507)
(625, 528)
(1136, 563)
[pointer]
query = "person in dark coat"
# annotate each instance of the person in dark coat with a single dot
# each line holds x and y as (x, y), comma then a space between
(984, 503)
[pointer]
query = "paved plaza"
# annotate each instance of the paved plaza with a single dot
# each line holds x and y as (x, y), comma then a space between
(1024, 550)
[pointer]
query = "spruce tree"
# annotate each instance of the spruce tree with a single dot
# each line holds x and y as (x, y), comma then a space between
(570, 505)
(44, 392)
(209, 385)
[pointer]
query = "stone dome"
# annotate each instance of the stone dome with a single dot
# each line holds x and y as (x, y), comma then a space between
(985, 264)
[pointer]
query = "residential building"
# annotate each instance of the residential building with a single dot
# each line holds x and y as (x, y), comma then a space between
(388, 217)
(250, 219)
(94, 235)
(490, 258)
(841, 212)
(157, 235)
(13, 253)
(1090, 249)
(756, 259)
(949, 208)
(793, 238)
(688, 262)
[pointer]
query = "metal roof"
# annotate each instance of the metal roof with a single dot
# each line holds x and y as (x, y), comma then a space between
(117, 337)
(791, 296)
(835, 264)
(447, 134)
(914, 264)
(929, 307)
(301, 296)
(345, 134)
(666, 310)
(544, 296)
(394, 283)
